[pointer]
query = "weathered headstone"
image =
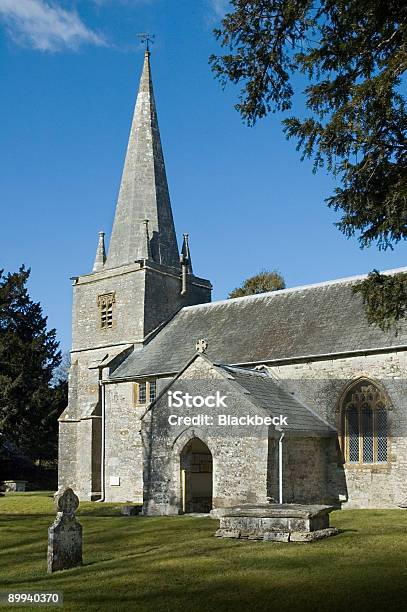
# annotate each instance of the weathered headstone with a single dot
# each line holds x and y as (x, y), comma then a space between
(65, 534)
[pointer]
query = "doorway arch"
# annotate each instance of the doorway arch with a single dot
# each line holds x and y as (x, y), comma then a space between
(196, 477)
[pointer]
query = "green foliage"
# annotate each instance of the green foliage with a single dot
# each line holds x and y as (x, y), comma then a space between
(261, 283)
(352, 55)
(29, 405)
(385, 298)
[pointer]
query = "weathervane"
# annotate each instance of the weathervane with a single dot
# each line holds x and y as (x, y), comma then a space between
(146, 38)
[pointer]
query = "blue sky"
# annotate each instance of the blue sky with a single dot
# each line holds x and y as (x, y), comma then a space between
(70, 73)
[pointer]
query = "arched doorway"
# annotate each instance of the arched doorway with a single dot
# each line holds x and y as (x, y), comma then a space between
(196, 477)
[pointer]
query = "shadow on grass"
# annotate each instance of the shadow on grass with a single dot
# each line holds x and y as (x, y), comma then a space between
(25, 517)
(29, 494)
(162, 564)
(150, 586)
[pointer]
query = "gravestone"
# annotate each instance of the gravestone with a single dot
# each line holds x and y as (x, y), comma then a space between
(65, 534)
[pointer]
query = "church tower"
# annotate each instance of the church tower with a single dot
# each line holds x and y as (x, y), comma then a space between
(130, 293)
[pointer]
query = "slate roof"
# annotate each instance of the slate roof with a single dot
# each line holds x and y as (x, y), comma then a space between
(305, 321)
(265, 393)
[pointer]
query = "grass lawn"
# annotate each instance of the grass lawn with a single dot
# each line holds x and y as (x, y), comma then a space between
(175, 564)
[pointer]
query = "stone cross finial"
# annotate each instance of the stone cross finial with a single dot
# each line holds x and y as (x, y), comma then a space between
(66, 501)
(201, 345)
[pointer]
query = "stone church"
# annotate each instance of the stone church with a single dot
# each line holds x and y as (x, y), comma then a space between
(310, 399)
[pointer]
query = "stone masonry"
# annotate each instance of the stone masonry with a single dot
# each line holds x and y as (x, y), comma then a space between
(147, 287)
(139, 317)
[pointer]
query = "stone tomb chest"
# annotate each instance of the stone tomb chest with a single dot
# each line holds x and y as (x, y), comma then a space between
(15, 485)
(276, 522)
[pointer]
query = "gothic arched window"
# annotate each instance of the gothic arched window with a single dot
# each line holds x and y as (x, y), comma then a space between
(364, 414)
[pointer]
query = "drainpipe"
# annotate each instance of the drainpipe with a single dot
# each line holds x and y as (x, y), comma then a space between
(102, 457)
(280, 467)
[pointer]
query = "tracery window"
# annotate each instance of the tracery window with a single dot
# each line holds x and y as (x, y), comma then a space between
(365, 424)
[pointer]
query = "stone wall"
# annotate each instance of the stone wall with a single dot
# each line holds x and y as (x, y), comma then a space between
(239, 461)
(245, 463)
(321, 384)
(145, 296)
(310, 470)
(123, 445)
(80, 427)
(128, 285)
(162, 294)
(67, 458)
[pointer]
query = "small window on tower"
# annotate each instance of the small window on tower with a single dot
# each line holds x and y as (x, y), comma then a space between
(106, 304)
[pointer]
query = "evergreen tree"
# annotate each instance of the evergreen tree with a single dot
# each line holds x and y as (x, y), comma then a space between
(353, 54)
(385, 298)
(29, 405)
(260, 283)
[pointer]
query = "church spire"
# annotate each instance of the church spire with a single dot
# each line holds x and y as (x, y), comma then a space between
(143, 191)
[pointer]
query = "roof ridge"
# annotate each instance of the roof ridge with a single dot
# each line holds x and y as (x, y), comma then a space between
(288, 290)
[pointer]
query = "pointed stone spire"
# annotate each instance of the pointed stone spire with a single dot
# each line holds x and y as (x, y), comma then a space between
(100, 253)
(145, 250)
(186, 255)
(144, 190)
